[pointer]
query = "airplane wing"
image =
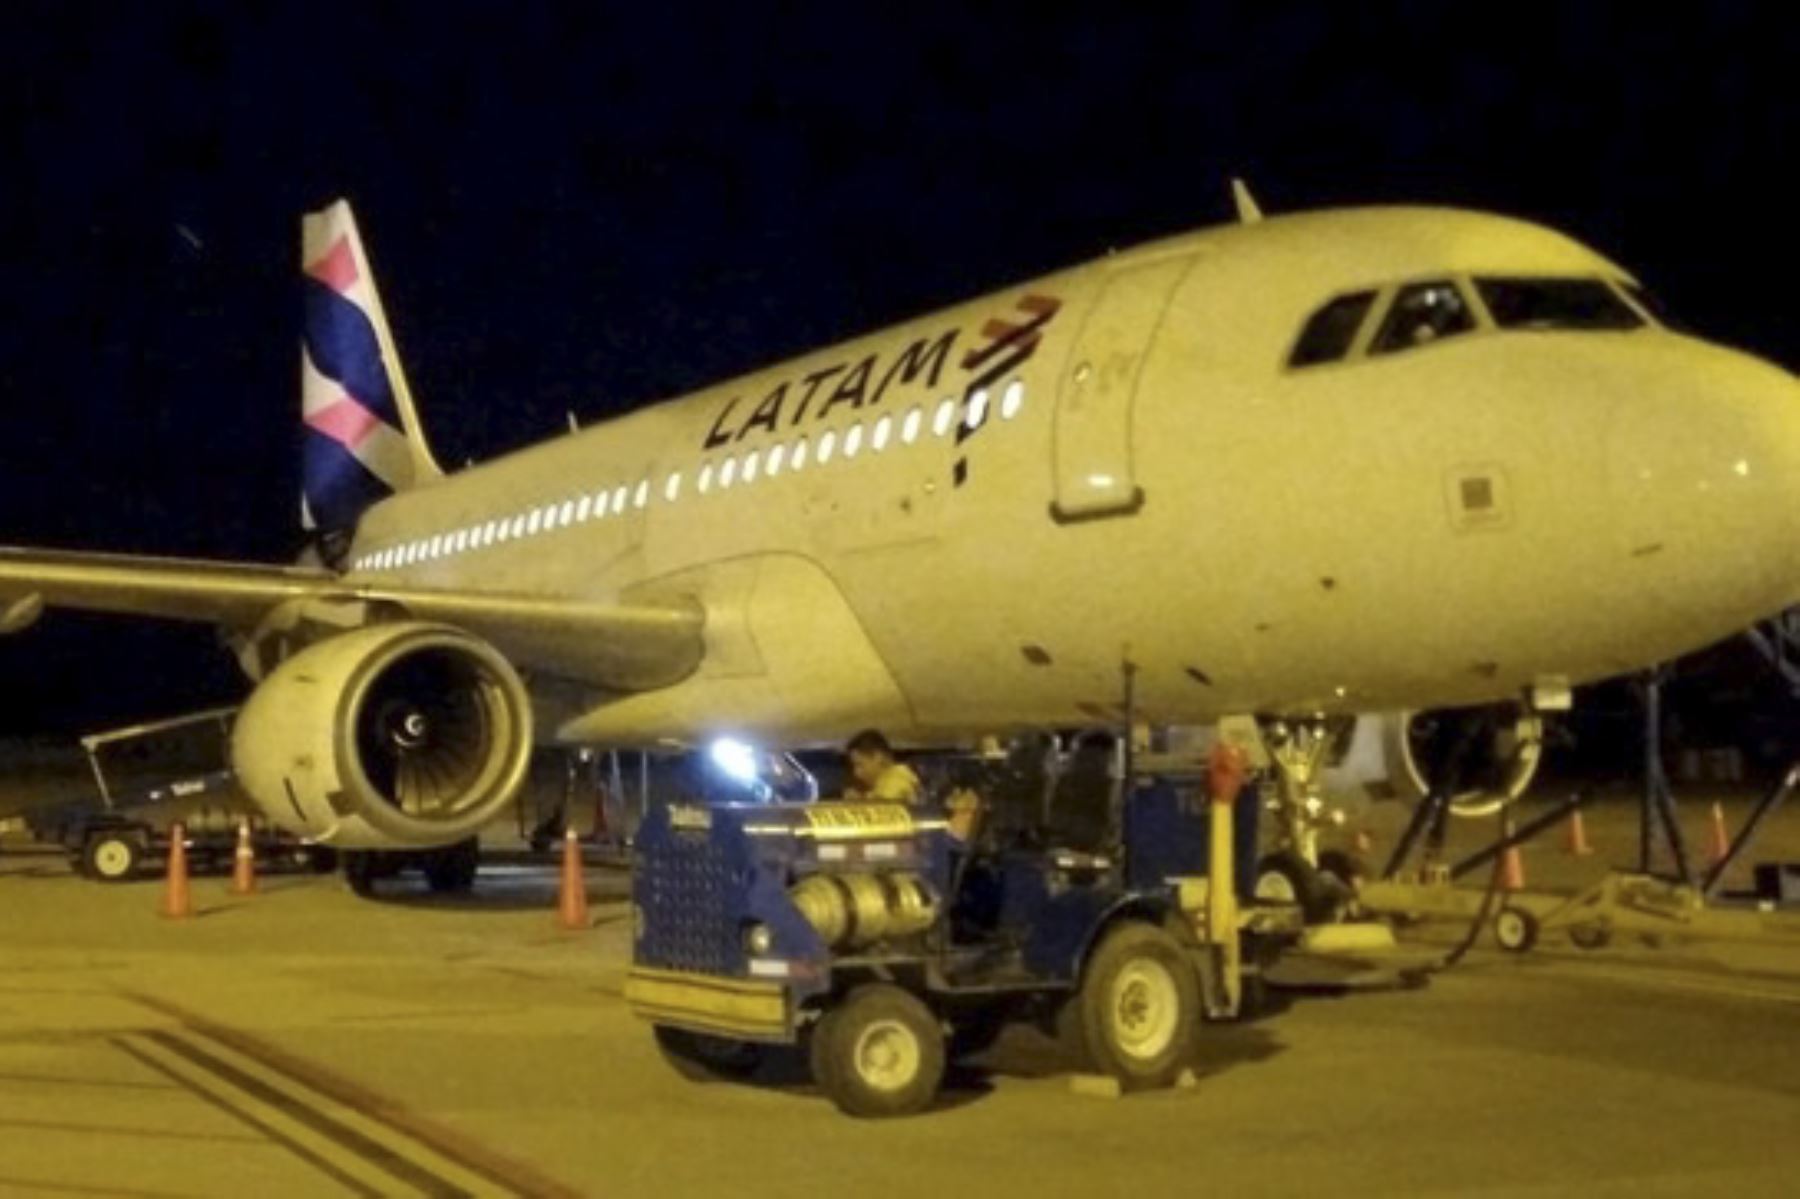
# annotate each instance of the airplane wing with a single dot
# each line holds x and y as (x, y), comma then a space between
(623, 646)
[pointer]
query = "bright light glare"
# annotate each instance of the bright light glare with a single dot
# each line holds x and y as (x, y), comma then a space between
(736, 759)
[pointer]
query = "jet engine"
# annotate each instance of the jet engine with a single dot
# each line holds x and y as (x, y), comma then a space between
(1490, 754)
(389, 736)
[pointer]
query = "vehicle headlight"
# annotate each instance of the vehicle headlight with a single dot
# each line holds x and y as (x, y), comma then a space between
(758, 939)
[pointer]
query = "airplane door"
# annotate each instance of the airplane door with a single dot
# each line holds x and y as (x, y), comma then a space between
(1094, 473)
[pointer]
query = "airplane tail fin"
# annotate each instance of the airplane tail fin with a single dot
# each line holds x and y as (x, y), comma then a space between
(363, 439)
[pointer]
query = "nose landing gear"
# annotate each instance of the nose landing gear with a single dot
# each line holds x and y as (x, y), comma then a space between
(1295, 872)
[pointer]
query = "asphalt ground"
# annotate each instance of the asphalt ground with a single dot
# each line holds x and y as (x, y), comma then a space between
(306, 1042)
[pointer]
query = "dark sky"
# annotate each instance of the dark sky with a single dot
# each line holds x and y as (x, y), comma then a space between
(586, 208)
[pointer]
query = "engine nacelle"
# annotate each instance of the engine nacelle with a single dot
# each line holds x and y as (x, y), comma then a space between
(1398, 755)
(389, 736)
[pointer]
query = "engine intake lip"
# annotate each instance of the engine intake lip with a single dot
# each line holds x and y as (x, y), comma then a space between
(470, 744)
(1510, 771)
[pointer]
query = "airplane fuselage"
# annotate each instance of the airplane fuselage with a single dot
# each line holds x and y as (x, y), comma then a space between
(1001, 502)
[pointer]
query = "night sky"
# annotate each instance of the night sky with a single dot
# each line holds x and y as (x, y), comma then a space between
(586, 208)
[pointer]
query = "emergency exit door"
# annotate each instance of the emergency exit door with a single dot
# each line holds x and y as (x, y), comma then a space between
(1094, 471)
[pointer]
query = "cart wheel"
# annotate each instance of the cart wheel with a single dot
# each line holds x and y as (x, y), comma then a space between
(113, 857)
(1137, 1007)
(1589, 936)
(1515, 929)
(698, 1057)
(1286, 877)
(879, 1053)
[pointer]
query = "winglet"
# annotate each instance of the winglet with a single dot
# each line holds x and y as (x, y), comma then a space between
(1247, 209)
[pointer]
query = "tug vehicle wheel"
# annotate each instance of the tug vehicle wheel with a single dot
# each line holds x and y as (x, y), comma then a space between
(1515, 929)
(112, 857)
(698, 1057)
(1135, 1013)
(879, 1053)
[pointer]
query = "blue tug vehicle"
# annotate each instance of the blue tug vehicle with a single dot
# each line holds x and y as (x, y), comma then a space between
(886, 940)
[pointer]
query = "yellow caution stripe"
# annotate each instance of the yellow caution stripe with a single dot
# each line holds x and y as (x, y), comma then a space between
(729, 1006)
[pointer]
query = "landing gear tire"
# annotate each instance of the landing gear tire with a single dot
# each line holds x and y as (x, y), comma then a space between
(360, 871)
(451, 870)
(879, 1053)
(113, 857)
(698, 1057)
(1589, 936)
(1137, 1008)
(1286, 877)
(1515, 929)
(1344, 867)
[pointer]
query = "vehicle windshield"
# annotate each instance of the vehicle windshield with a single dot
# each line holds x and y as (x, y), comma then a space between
(1423, 313)
(1586, 304)
(1331, 330)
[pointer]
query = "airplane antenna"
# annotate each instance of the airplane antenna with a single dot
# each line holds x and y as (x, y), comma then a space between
(1249, 212)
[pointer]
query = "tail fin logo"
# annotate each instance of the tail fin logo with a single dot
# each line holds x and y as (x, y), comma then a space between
(360, 443)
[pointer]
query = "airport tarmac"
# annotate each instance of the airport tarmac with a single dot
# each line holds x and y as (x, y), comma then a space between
(304, 1042)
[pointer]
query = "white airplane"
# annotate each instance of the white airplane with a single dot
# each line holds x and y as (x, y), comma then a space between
(1367, 461)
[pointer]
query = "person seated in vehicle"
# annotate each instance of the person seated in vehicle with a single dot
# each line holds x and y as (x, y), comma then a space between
(876, 775)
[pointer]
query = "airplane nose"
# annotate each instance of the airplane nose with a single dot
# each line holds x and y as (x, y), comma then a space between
(1704, 465)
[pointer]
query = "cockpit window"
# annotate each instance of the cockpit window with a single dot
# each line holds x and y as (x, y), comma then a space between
(1423, 313)
(1650, 302)
(1555, 304)
(1330, 331)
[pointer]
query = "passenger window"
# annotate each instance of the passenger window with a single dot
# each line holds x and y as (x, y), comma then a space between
(1421, 314)
(1331, 330)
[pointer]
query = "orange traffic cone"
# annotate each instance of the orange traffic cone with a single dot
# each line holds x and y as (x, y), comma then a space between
(1512, 866)
(571, 902)
(243, 863)
(178, 902)
(1577, 845)
(1720, 839)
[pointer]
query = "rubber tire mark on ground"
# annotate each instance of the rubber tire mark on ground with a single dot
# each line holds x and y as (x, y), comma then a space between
(508, 1175)
(274, 1135)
